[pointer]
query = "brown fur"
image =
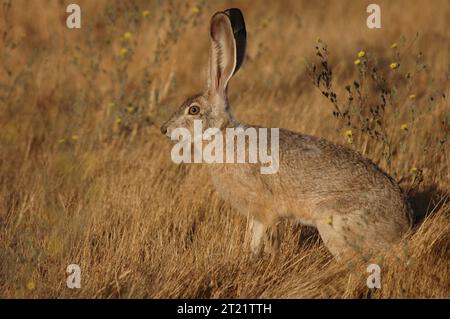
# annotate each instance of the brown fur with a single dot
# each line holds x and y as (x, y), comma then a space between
(355, 206)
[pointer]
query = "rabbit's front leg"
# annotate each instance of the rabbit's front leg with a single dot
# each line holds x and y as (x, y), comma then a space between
(258, 230)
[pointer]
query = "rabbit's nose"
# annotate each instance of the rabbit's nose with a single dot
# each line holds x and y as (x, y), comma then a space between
(164, 129)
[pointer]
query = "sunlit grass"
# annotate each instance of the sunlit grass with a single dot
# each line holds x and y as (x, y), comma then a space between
(86, 177)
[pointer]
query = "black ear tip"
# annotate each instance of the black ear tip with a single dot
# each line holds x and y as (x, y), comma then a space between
(237, 20)
(240, 33)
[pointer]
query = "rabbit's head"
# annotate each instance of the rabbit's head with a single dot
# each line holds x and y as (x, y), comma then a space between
(228, 42)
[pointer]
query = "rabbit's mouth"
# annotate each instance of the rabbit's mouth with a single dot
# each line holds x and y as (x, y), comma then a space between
(184, 140)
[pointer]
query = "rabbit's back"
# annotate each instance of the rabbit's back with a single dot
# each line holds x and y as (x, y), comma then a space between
(318, 182)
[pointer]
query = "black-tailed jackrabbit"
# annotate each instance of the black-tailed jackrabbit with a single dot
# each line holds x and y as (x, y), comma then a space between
(355, 206)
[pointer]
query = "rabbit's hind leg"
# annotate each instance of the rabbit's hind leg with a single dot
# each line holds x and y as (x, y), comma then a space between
(332, 232)
(349, 235)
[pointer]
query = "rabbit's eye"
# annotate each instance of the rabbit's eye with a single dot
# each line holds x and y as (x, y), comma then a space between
(194, 110)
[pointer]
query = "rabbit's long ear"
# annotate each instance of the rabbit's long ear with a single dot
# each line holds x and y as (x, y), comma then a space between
(240, 34)
(225, 57)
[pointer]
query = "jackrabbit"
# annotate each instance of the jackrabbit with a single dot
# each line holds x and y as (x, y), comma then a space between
(354, 205)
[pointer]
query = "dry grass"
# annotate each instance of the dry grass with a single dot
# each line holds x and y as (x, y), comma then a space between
(86, 177)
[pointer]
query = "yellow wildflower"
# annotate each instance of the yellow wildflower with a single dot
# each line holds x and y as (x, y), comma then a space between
(75, 137)
(31, 285)
(130, 109)
(123, 52)
(118, 120)
(414, 170)
(127, 35)
(404, 127)
(195, 10)
(394, 45)
(349, 132)
(361, 54)
(62, 141)
(412, 96)
(318, 40)
(329, 220)
(357, 62)
(393, 65)
(350, 140)
(145, 13)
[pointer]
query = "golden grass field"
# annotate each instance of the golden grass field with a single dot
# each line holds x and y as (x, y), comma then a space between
(86, 176)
